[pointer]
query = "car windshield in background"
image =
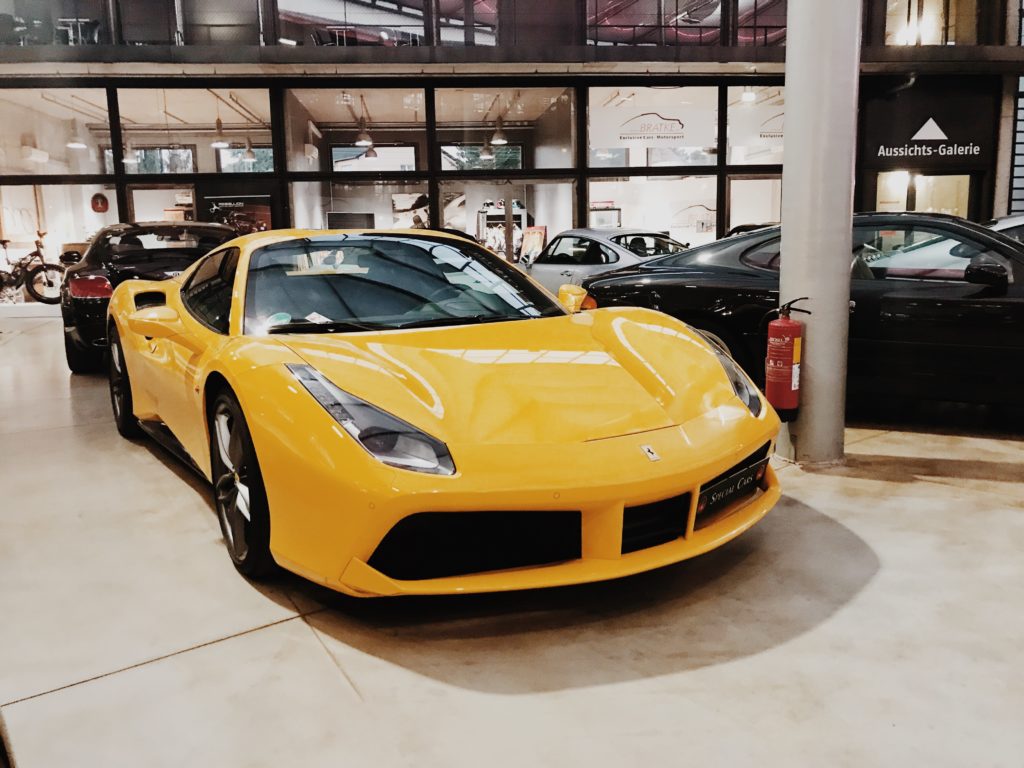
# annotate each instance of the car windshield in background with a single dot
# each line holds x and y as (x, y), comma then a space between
(648, 245)
(144, 243)
(378, 282)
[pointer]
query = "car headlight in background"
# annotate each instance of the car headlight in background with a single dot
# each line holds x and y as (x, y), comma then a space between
(741, 383)
(385, 437)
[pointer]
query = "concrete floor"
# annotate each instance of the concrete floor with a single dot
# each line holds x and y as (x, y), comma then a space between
(874, 618)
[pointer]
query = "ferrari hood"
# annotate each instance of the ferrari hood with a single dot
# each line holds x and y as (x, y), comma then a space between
(588, 376)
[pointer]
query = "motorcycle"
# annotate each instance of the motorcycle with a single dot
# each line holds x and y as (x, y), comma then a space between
(42, 280)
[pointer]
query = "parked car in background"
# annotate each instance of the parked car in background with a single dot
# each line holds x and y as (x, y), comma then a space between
(937, 306)
(1011, 226)
(148, 250)
(577, 254)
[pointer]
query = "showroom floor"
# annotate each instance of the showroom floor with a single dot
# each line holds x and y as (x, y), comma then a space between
(872, 619)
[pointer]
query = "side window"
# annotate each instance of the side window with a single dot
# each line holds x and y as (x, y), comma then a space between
(577, 252)
(559, 252)
(764, 255)
(916, 252)
(208, 293)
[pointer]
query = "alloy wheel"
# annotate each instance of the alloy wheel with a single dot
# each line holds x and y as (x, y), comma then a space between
(232, 486)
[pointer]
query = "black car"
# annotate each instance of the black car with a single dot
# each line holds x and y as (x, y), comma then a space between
(937, 306)
(151, 251)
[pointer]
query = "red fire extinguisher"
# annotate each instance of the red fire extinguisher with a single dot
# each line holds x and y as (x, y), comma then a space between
(782, 365)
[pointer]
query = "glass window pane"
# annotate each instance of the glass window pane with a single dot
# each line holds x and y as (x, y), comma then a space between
(757, 120)
(513, 219)
(334, 129)
(473, 157)
(755, 202)
(69, 215)
(931, 22)
(762, 22)
(644, 127)
(52, 130)
(347, 23)
(184, 130)
(683, 207)
(612, 22)
(479, 28)
(360, 205)
(538, 120)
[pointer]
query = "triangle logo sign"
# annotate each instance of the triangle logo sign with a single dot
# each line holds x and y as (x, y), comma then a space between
(930, 131)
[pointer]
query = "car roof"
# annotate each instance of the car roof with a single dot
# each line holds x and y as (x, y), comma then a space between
(608, 232)
(1006, 222)
(148, 226)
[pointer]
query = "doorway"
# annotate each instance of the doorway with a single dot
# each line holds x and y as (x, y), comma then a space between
(924, 193)
(161, 202)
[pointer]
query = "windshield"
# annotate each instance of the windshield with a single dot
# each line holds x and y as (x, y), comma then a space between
(164, 242)
(645, 245)
(384, 282)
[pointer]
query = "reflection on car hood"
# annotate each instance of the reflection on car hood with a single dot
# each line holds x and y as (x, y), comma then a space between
(583, 377)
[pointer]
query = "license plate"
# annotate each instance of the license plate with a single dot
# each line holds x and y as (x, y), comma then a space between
(733, 488)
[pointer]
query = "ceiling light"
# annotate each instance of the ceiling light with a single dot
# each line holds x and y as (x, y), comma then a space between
(371, 153)
(363, 138)
(486, 152)
(383, 35)
(131, 155)
(748, 97)
(498, 139)
(250, 155)
(75, 142)
(219, 141)
(286, 41)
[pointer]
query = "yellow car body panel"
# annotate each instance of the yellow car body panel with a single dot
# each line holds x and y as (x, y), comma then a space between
(552, 414)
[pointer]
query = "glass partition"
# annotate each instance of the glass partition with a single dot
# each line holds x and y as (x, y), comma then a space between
(754, 201)
(761, 22)
(208, 130)
(512, 218)
(612, 22)
(757, 121)
(931, 22)
(684, 207)
(63, 216)
(644, 127)
(360, 205)
(525, 128)
(52, 130)
(356, 129)
(348, 23)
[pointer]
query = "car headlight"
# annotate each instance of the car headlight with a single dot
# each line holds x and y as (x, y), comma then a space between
(741, 383)
(385, 437)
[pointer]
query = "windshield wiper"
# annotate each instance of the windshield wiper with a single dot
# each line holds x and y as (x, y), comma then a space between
(463, 320)
(338, 326)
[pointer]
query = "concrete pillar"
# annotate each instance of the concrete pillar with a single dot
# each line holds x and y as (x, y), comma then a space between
(822, 75)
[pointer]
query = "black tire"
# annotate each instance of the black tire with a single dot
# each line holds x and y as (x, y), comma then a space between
(45, 274)
(121, 389)
(238, 491)
(81, 360)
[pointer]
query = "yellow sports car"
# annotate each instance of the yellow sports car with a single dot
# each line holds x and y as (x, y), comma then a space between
(403, 412)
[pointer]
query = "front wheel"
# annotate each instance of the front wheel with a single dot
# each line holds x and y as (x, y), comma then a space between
(43, 283)
(238, 489)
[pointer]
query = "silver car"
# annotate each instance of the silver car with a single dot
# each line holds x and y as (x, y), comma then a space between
(577, 254)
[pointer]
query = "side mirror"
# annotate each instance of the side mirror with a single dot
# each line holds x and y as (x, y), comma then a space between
(571, 297)
(987, 272)
(70, 257)
(155, 322)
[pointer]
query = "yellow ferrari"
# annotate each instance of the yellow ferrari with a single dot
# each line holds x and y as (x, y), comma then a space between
(403, 412)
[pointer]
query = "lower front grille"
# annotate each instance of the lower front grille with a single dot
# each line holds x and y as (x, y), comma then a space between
(432, 545)
(652, 524)
(750, 461)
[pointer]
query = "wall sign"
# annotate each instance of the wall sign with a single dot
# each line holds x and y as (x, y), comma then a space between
(653, 117)
(931, 125)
